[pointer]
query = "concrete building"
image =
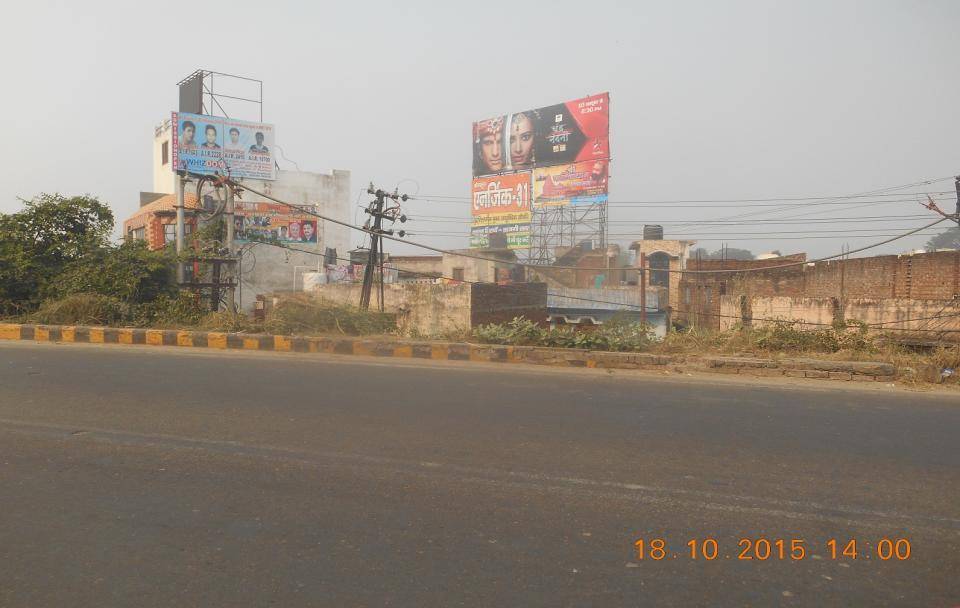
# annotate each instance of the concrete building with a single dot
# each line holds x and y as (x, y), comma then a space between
(264, 268)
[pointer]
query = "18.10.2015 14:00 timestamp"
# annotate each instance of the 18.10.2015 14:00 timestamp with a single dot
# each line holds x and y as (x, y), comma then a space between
(763, 549)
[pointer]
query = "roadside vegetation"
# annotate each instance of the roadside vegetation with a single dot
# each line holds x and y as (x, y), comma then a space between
(848, 341)
(58, 267)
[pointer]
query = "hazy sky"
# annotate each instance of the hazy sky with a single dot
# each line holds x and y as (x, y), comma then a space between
(709, 100)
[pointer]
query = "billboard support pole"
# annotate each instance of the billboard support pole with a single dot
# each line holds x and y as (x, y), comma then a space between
(228, 212)
(179, 228)
(643, 288)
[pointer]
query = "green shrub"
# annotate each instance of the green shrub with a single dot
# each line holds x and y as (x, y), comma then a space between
(81, 309)
(180, 310)
(306, 315)
(615, 335)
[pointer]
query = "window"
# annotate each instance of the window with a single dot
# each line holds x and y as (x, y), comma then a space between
(707, 294)
(686, 295)
(458, 274)
(169, 233)
(137, 234)
(165, 152)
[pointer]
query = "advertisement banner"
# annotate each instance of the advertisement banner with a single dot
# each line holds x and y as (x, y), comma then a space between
(273, 222)
(583, 183)
(577, 130)
(574, 131)
(518, 235)
(508, 193)
(212, 144)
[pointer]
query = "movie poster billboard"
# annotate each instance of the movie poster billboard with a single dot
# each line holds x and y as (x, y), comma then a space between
(573, 131)
(273, 222)
(212, 144)
(582, 183)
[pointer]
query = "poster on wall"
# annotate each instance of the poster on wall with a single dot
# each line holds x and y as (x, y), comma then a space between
(209, 145)
(273, 222)
(583, 183)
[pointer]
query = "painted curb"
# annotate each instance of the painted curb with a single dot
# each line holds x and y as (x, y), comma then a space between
(451, 351)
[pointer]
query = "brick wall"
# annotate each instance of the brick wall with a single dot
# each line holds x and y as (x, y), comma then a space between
(927, 319)
(924, 276)
(492, 303)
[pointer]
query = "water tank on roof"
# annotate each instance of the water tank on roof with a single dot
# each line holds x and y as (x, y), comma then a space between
(652, 232)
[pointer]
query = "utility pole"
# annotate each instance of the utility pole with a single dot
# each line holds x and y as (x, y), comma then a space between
(643, 288)
(228, 212)
(378, 211)
(956, 183)
(179, 179)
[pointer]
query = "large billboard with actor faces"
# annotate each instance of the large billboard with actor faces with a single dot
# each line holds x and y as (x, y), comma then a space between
(210, 145)
(562, 151)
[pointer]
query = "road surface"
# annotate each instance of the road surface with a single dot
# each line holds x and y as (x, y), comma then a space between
(140, 476)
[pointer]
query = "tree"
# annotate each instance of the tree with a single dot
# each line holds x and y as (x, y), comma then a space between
(728, 253)
(39, 241)
(130, 272)
(948, 239)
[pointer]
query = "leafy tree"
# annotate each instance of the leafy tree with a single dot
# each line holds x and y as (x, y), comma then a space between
(39, 241)
(130, 272)
(948, 239)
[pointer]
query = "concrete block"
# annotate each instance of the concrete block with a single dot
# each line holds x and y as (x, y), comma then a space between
(840, 375)
(795, 373)
(816, 373)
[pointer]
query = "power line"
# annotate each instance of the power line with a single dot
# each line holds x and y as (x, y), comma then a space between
(727, 200)
(535, 266)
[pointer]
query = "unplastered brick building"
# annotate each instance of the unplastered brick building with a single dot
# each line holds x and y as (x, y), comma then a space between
(905, 293)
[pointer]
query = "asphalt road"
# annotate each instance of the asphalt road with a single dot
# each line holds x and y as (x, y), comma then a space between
(137, 476)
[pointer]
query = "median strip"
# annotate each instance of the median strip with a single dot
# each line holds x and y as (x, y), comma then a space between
(855, 371)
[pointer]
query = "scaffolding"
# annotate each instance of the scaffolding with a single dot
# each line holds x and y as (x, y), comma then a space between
(559, 228)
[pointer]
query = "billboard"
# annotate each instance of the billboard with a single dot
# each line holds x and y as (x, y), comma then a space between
(273, 222)
(501, 203)
(573, 131)
(560, 153)
(582, 183)
(212, 144)
(518, 235)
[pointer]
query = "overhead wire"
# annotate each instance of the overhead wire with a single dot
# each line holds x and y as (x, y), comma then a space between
(386, 266)
(306, 211)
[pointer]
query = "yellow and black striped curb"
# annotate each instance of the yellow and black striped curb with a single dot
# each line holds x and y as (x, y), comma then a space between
(449, 351)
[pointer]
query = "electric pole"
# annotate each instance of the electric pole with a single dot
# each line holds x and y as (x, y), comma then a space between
(379, 211)
(956, 183)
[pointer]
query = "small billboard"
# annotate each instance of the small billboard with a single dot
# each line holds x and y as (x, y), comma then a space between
(583, 183)
(215, 145)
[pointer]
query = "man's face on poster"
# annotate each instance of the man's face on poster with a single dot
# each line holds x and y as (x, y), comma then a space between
(234, 136)
(521, 140)
(259, 139)
(596, 174)
(294, 231)
(491, 150)
(188, 134)
(308, 231)
(211, 136)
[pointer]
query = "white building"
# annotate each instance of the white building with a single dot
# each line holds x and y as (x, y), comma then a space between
(275, 268)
